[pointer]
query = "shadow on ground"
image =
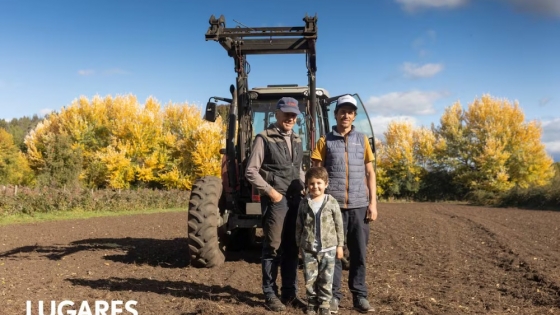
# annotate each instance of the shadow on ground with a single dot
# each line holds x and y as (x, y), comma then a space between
(146, 251)
(172, 253)
(191, 290)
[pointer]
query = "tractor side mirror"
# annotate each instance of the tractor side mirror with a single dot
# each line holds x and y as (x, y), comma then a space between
(211, 113)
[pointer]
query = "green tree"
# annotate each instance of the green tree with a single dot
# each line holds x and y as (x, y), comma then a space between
(19, 127)
(62, 163)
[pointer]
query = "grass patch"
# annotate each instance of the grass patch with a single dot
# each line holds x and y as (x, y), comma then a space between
(37, 217)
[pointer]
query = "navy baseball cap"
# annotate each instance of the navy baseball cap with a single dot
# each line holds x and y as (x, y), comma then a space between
(288, 105)
(346, 100)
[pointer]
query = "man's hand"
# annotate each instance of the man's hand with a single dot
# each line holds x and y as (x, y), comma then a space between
(339, 252)
(274, 195)
(371, 214)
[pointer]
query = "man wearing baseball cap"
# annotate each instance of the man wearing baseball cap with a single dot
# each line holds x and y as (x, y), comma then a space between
(347, 156)
(275, 170)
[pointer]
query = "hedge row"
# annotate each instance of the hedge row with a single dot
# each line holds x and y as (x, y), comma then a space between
(23, 200)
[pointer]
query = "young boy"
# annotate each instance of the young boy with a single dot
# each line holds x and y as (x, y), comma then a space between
(320, 236)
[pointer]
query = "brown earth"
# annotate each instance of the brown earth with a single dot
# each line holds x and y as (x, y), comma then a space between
(424, 259)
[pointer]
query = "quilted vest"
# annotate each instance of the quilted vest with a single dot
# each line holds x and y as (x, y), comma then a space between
(280, 170)
(345, 165)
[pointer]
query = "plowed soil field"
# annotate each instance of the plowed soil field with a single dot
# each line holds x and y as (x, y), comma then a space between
(423, 259)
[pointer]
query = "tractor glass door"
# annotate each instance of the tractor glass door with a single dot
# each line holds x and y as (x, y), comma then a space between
(362, 122)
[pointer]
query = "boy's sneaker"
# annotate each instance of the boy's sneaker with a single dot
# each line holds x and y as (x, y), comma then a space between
(362, 306)
(274, 304)
(324, 311)
(334, 305)
(310, 311)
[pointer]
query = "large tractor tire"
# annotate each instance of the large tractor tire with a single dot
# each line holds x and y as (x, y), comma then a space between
(204, 215)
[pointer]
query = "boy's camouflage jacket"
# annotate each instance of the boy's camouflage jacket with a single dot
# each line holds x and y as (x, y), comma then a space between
(332, 231)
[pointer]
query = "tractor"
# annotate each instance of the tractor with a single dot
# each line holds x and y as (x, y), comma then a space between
(225, 211)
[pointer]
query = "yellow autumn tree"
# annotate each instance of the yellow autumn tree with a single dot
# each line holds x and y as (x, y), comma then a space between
(195, 145)
(399, 160)
(14, 168)
(125, 143)
(425, 146)
(491, 147)
(381, 178)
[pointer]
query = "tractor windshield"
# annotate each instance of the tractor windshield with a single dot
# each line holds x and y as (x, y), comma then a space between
(263, 116)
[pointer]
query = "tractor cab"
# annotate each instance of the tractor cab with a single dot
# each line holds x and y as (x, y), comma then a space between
(263, 106)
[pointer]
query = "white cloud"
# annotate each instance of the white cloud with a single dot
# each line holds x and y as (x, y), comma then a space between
(553, 149)
(551, 136)
(404, 103)
(45, 111)
(411, 70)
(86, 72)
(541, 7)
(544, 7)
(551, 129)
(380, 123)
(421, 42)
(415, 5)
(553, 146)
(427, 38)
(544, 101)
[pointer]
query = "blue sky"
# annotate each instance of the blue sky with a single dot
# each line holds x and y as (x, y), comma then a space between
(408, 59)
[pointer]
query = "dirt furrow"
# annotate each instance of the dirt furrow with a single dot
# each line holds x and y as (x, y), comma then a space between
(425, 258)
(517, 280)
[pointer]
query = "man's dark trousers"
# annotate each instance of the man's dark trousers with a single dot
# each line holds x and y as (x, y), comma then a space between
(357, 236)
(279, 246)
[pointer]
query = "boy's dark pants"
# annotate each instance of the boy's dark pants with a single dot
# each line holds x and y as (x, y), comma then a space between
(357, 235)
(279, 246)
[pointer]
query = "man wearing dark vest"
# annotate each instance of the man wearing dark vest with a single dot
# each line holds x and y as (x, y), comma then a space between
(275, 170)
(347, 156)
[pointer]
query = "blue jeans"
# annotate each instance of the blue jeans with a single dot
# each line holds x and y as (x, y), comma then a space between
(279, 246)
(357, 236)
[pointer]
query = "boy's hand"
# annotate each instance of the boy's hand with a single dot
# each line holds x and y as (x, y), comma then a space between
(339, 252)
